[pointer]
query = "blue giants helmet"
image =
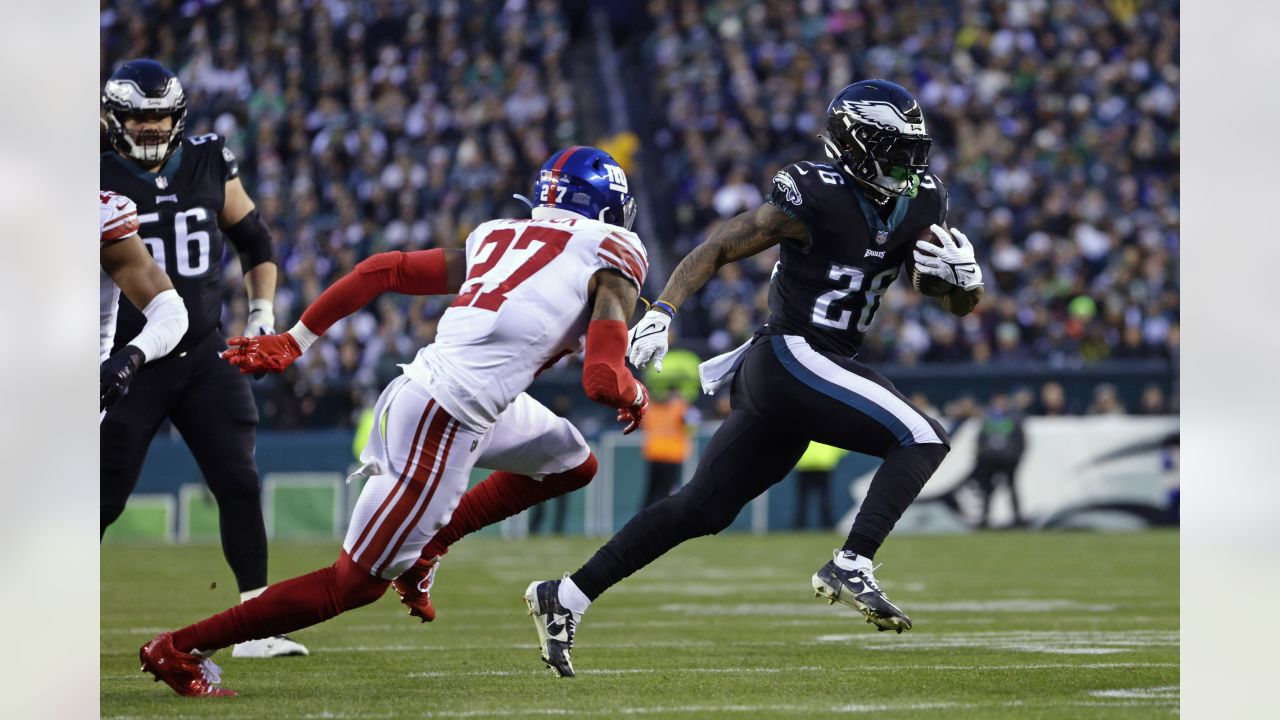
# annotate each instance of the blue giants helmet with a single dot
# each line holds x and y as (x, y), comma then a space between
(587, 181)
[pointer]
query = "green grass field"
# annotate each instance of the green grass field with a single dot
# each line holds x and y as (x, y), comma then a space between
(1007, 625)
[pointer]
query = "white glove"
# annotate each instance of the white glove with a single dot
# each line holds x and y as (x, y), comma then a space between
(262, 319)
(953, 262)
(649, 340)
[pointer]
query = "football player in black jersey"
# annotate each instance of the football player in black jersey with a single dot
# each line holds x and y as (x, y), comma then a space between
(189, 197)
(846, 230)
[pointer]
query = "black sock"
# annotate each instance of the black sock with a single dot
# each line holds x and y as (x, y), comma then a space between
(893, 488)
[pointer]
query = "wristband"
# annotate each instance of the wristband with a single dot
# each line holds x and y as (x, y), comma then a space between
(301, 335)
(664, 307)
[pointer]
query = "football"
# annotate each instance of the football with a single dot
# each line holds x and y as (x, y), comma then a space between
(928, 284)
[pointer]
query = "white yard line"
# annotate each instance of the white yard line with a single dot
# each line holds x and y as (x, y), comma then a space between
(788, 669)
(726, 709)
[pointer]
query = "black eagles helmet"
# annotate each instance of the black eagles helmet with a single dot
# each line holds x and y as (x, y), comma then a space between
(144, 90)
(875, 130)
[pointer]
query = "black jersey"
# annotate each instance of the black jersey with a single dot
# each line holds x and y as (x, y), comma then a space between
(828, 291)
(178, 208)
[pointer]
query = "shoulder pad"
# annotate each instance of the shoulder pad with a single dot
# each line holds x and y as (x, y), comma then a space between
(206, 139)
(799, 187)
(623, 250)
(118, 217)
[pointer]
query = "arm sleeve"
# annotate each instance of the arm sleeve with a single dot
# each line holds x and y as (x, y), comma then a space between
(416, 273)
(252, 240)
(166, 324)
(604, 378)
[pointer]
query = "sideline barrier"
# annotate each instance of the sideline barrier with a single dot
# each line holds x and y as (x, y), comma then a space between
(1099, 472)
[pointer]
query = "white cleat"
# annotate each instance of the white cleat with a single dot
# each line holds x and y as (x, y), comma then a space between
(278, 646)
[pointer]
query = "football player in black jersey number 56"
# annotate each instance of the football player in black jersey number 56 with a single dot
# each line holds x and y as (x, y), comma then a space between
(189, 196)
(847, 229)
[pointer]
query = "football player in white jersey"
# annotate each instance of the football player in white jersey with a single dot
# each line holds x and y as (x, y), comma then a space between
(128, 267)
(528, 292)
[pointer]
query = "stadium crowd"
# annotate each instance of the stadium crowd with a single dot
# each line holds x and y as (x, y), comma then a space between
(362, 127)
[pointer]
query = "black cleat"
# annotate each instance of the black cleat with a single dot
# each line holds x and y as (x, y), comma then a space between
(555, 624)
(858, 589)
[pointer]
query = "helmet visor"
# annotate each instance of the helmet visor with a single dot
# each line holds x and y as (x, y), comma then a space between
(892, 151)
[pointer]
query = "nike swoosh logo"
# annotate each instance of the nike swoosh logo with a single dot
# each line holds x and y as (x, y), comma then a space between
(647, 331)
(558, 627)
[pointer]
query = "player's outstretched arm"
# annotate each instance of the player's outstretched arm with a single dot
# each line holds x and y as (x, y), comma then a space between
(424, 272)
(604, 377)
(245, 229)
(739, 237)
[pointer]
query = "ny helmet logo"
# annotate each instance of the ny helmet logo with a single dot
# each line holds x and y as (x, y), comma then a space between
(617, 178)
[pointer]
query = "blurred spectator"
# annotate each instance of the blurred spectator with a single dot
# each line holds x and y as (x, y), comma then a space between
(1053, 400)
(1001, 444)
(679, 373)
(371, 126)
(1152, 402)
(813, 482)
(1055, 126)
(668, 428)
(1106, 401)
(363, 127)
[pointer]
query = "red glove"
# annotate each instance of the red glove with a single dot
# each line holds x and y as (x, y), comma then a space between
(264, 353)
(634, 415)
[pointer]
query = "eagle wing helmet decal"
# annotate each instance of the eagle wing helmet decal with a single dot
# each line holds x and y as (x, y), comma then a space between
(886, 116)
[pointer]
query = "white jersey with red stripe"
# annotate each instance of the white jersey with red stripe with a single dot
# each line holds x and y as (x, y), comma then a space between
(523, 305)
(118, 219)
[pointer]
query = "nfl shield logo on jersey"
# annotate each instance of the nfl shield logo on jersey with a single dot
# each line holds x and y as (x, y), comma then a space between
(882, 237)
(162, 182)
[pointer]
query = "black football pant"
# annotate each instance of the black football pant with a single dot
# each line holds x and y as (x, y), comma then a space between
(785, 394)
(211, 405)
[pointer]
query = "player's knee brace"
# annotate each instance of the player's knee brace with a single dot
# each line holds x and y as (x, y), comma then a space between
(356, 587)
(573, 478)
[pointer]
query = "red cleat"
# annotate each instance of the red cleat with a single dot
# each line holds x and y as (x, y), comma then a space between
(414, 588)
(189, 675)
